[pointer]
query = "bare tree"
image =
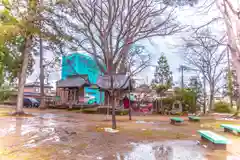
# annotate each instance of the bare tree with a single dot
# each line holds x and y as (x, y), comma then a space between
(231, 16)
(230, 10)
(205, 53)
(108, 29)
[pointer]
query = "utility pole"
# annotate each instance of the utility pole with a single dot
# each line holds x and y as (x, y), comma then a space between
(42, 105)
(182, 77)
(41, 66)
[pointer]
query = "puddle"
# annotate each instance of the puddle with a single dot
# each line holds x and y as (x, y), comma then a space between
(47, 115)
(172, 150)
(68, 134)
(144, 122)
(226, 119)
(233, 158)
(6, 131)
(161, 129)
(37, 130)
(167, 150)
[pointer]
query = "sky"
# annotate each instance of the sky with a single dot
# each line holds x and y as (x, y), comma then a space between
(194, 16)
(187, 15)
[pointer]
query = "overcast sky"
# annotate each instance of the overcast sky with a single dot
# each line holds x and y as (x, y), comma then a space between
(189, 16)
(186, 15)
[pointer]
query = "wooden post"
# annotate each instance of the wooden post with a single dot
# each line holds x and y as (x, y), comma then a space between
(70, 99)
(74, 95)
(100, 97)
(108, 105)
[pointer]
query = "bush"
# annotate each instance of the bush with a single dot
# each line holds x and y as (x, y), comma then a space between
(178, 114)
(121, 112)
(222, 107)
(166, 102)
(89, 111)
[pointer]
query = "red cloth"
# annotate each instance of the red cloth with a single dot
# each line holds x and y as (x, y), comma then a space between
(149, 106)
(126, 103)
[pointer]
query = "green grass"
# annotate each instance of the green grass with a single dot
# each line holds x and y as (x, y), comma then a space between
(86, 110)
(149, 133)
(5, 112)
(89, 110)
(215, 124)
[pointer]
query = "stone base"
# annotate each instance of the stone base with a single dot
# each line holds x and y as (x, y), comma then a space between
(175, 122)
(227, 130)
(213, 145)
(230, 131)
(193, 120)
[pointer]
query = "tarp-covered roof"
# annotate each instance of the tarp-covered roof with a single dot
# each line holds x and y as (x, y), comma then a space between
(87, 56)
(73, 81)
(120, 81)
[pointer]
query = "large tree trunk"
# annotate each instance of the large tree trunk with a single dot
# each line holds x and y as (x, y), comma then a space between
(236, 114)
(238, 105)
(114, 123)
(130, 111)
(130, 106)
(229, 80)
(162, 107)
(232, 23)
(211, 101)
(112, 95)
(23, 76)
(157, 106)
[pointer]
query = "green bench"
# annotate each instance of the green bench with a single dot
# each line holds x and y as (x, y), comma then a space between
(176, 120)
(231, 128)
(194, 118)
(216, 141)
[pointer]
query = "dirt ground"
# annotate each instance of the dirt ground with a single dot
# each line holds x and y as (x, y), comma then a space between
(67, 135)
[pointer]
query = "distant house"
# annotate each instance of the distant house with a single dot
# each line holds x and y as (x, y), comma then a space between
(82, 77)
(121, 84)
(79, 77)
(144, 92)
(33, 90)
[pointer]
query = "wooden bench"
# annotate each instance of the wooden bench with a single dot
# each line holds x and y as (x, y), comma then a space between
(231, 128)
(216, 141)
(176, 120)
(194, 118)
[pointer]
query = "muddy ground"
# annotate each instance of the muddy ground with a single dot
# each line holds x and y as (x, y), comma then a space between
(67, 135)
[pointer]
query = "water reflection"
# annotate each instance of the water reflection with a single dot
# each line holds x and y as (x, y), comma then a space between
(38, 129)
(168, 150)
(7, 130)
(18, 127)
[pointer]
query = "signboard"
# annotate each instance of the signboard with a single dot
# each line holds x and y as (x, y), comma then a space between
(94, 86)
(58, 98)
